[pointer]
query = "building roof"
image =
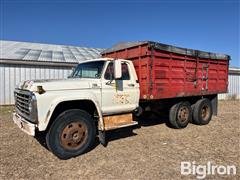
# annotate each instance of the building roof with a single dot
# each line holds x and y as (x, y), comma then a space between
(26, 51)
(234, 70)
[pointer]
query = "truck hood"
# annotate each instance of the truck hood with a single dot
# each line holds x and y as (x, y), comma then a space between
(63, 84)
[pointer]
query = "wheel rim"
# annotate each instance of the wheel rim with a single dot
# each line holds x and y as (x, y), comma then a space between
(183, 114)
(74, 135)
(205, 112)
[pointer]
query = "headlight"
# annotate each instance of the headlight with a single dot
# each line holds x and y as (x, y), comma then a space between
(33, 108)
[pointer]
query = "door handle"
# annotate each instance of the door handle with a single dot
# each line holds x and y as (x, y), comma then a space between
(131, 85)
(110, 83)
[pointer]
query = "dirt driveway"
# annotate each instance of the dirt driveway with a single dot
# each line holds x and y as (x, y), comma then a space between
(153, 151)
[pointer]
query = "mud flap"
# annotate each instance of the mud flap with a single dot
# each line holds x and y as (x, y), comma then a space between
(102, 138)
(214, 102)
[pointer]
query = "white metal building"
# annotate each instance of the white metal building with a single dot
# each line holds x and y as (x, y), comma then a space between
(233, 85)
(23, 61)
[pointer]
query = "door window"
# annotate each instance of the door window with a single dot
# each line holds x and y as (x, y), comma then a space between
(109, 74)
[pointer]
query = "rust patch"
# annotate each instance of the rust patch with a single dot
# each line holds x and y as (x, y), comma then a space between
(74, 135)
(121, 98)
(27, 84)
(116, 121)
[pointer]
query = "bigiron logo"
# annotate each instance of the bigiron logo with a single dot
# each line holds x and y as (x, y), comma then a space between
(203, 170)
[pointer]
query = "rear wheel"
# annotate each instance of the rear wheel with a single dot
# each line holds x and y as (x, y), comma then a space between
(202, 112)
(180, 115)
(71, 134)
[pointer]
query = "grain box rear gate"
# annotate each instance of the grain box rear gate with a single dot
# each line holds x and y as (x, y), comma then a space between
(166, 71)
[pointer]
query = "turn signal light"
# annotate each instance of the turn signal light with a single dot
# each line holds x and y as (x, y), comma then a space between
(40, 90)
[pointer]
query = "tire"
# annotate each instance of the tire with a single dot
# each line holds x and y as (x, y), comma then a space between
(202, 112)
(71, 134)
(180, 115)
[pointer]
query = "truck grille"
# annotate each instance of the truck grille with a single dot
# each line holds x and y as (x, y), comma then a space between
(22, 102)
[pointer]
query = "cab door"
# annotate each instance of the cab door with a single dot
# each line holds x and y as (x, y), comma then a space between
(119, 95)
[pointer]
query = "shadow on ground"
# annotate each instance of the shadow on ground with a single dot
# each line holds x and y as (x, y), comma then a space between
(148, 119)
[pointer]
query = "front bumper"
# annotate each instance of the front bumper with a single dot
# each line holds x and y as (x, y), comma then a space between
(24, 125)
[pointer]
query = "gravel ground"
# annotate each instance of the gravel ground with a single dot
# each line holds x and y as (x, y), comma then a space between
(153, 151)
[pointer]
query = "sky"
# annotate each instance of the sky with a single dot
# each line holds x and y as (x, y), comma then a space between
(210, 25)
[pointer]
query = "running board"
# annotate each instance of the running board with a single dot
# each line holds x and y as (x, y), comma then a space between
(118, 121)
(107, 128)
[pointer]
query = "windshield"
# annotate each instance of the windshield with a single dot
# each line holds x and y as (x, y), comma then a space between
(88, 70)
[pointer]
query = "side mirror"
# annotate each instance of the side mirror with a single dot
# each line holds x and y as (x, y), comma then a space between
(117, 69)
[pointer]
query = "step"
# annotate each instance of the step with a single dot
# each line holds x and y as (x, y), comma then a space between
(121, 125)
(118, 121)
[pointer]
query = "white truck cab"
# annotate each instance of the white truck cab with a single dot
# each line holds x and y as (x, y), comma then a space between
(100, 94)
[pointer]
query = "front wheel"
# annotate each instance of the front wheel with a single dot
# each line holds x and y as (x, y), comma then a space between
(71, 134)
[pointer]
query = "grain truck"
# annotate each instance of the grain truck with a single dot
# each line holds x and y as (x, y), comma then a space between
(110, 92)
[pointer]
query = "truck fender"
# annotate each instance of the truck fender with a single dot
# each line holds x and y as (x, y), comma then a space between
(57, 101)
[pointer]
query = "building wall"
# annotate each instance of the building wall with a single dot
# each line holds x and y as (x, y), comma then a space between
(233, 87)
(11, 75)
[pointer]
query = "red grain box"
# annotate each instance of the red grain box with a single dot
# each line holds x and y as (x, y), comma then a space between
(166, 71)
